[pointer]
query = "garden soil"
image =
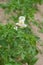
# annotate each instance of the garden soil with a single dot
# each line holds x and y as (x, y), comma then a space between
(39, 18)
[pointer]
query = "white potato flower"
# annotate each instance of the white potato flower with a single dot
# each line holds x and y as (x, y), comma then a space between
(15, 27)
(21, 22)
(21, 19)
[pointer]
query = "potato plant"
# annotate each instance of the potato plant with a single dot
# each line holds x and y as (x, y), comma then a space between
(18, 47)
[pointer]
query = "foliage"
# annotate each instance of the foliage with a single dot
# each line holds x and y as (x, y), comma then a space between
(18, 47)
(25, 8)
